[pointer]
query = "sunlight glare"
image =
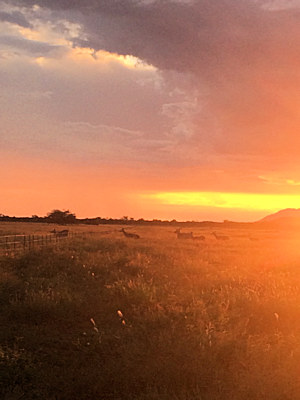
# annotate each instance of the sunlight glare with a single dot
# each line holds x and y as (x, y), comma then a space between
(251, 201)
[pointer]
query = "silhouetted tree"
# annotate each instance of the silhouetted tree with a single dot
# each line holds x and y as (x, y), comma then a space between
(61, 217)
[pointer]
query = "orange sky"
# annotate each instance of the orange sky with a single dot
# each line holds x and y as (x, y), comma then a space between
(38, 186)
(170, 118)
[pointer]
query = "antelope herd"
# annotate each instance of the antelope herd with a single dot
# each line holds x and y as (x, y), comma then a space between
(190, 235)
(180, 235)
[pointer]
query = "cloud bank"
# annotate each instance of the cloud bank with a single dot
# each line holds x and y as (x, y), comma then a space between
(211, 83)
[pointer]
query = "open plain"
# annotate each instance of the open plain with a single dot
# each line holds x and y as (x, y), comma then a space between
(104, 316)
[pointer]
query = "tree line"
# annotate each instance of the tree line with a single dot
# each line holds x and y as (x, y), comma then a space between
(66, 217)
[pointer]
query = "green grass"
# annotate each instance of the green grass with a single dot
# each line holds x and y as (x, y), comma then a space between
(170, 319)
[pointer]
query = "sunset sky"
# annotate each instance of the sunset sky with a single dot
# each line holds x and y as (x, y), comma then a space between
(150, 108)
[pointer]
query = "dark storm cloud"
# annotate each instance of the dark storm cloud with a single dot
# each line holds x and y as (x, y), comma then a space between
(243, 54)
(15, 17)
(213, 39)
(203, 37)
(32, 47)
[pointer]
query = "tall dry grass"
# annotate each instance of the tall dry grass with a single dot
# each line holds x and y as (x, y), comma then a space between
(158, 318)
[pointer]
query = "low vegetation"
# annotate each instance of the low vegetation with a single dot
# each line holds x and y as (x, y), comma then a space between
(108, 317)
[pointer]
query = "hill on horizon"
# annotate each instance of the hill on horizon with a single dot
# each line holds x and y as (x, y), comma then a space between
(288, 216)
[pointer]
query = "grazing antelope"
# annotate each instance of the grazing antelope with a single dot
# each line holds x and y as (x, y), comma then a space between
(184, 235)
(62, 233)
(220, 237)
(199, 237)
(130, 235)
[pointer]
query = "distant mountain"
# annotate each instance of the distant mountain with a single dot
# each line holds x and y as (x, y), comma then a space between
(290, 217)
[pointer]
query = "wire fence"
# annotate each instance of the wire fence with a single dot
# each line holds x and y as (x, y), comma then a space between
(14, 244)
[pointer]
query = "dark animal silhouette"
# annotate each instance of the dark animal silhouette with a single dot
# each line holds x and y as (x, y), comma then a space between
(220, 237)
(130, 235)
(199, 238)
(62, 233)
(184, 235)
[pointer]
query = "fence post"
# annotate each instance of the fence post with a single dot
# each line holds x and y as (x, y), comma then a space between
(13, 243)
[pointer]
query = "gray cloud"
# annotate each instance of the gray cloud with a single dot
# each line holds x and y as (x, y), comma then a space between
(203, 37)
(15, 17)
(243, 56)
(33, 47)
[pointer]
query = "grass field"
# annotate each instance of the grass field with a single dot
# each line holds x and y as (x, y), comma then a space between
(105, 317)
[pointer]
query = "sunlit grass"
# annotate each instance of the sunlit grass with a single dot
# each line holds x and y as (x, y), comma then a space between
(106, 317)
